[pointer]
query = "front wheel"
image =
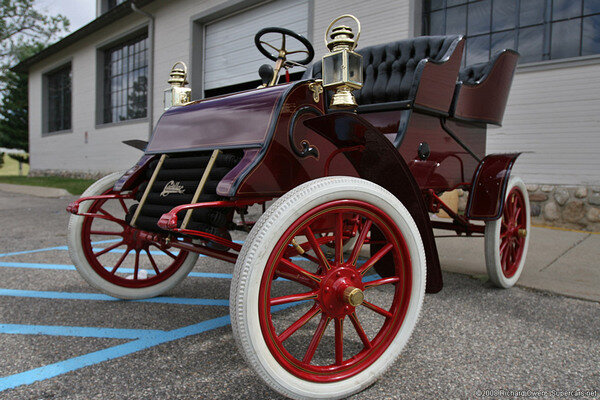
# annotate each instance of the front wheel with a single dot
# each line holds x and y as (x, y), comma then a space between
(317, 325)
(507, 238)
(113, 257)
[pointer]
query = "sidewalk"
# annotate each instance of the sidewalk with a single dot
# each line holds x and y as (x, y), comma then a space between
(558, 261)
(38, 191)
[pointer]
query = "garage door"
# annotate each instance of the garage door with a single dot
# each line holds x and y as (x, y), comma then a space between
(230, 56)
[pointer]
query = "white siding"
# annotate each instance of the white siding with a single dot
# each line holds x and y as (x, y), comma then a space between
(230, 54)
(382, 21)
(104, 151)
(555, 115)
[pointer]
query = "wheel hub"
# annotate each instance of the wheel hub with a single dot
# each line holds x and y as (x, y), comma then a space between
(341, 291)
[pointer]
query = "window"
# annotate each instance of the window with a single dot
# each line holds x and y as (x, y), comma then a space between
(126, 80)
(114, 3)
(58, 92)
(538, 29)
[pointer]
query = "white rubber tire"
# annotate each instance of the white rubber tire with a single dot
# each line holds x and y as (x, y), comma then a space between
(252, 261)
(87, 272)
(492, 241)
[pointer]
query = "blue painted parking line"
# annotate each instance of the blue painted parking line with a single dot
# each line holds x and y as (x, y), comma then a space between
(69, 267)
(75, 363)
(103, 297)
(16, 253)
(77, 331)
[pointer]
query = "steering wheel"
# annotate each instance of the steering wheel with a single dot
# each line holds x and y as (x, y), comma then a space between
(282, 52)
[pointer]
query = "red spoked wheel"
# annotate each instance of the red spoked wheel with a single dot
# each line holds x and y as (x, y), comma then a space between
(118, 259)
(327, 322)
(507, 239)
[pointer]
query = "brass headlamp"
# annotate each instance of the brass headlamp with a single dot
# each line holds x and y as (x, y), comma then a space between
(342, 67)
(177, 94)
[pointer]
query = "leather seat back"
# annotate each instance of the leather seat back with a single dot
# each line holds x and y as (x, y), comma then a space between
(389, 69)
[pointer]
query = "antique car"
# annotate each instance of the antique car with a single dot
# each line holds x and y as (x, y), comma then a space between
(328, 284)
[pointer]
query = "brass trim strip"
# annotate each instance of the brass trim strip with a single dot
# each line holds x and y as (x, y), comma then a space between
(147, 191)
(209, 167)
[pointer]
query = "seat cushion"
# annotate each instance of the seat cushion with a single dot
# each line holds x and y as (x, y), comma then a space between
(389, 69)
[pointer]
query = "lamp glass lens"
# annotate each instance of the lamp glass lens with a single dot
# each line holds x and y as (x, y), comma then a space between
(332, 69)
(355, 70)
(168, 99)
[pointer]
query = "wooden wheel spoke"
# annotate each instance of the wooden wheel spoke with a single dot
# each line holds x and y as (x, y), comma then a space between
(383, 281)
(360, 241)
(360, 331)
(292, 298)
(376, 257)
(167, 252)
(109, 248)
(106, 233)
(289, 270)
(314, 244)
(123, 205)
(339, 341)
(339, 238)
(503, 245)
(136, 267)
(377, 309)
(316, 339)
(300, 322)
(154, 266)
(118, 264)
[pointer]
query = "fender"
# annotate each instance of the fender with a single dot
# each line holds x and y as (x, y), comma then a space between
(486, 199)
(382, 164)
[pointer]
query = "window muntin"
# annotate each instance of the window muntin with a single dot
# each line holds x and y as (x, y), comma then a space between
(538, 29)
(126, 80)
(59, 99)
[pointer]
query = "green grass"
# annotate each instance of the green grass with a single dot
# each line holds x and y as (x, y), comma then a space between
(11, 167)
(73, 186)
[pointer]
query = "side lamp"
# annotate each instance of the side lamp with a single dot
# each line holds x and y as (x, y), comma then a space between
(342, 67)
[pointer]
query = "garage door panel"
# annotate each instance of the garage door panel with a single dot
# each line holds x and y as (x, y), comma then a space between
(230, 54)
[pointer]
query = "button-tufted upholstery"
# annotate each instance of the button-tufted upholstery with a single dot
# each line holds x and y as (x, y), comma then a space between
(391, 70)
(475, 72)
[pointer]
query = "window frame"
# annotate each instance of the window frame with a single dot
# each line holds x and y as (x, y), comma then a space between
(546, 25)
(46, 99)
(102, 52)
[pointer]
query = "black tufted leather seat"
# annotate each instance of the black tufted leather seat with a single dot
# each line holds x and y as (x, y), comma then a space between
(473, 73)
(392, 70)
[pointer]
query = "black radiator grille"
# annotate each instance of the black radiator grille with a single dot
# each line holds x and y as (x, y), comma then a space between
(176, 184)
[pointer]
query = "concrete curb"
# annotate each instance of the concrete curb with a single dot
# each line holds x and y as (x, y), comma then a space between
(38, 191)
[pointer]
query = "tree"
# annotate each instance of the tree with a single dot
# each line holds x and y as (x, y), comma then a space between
(24, 31)
(14, 105)
(22, 26)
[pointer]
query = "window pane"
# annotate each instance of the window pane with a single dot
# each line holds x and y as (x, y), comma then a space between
(456, 20)
(504, 14)
(478, 49)
(125, 81)
(565, 38)
(436, 23)
(532, 12)
(59, 99)
(591, 36)
(503, 40)
(531, 43)
(479, 17)
(436, 4)
(563, 9)
(591, 6)
(455, 2)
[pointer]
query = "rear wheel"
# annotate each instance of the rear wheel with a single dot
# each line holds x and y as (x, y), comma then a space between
(116, 258)
(314, 325)
(507, 238)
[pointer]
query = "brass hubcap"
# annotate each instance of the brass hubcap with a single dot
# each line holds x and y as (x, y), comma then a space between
(522, 233)
(353, 296)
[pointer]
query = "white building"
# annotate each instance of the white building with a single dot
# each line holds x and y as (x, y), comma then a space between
(103, 83)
